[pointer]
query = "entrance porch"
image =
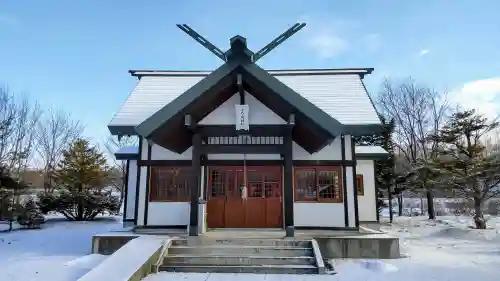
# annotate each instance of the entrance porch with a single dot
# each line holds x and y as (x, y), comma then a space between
(244, 197)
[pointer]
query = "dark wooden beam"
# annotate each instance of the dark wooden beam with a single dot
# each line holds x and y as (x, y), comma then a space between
(230, 130)
(125, 192)
(166, 163)
(348, 163)
(376, 190)
(288, 182)
(216, 162)
(344, 182)
(240, 162)
(355, 182)
(195, 186)
(146, 196)
(241, 148)
(138, 184)
(241, 90)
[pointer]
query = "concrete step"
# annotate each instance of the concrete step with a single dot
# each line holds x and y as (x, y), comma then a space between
(265, 269)
(242, 250)
(237, 260)
(248, 242)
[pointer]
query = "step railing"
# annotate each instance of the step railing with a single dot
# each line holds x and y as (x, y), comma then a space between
(164, 251)
(319, 258)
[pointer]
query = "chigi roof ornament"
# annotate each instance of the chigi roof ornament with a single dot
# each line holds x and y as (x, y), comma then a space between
(238, 44)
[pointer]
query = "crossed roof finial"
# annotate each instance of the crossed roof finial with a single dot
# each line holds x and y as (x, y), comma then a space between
(238, 44)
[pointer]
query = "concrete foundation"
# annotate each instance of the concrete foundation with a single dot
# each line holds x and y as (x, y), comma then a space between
(377, 246)
(333, 244)
(107, 244)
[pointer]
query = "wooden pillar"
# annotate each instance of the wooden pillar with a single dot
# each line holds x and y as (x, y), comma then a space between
(148, 181)
(138, 184)
(288, 178)
(195, 185)
(125, 190)
(376, 190)
(344, 181)
(355, 181)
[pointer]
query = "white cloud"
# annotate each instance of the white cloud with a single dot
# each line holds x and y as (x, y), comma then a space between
(423, 52)
(327, 45)
(483, 95)
(324, 36)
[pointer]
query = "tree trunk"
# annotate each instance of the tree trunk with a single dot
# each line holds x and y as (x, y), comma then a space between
(389, 196)
(79, 201)
(400, 204)
(430, 205)
(421, 205)
(478, 213)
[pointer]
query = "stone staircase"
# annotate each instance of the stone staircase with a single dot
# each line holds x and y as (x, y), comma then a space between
(274, 256)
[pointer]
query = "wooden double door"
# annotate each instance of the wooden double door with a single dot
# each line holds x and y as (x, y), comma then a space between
(236, 200)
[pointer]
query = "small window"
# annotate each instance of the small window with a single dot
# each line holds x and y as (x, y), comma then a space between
(170, 184)
(360, 185)
(318, 184)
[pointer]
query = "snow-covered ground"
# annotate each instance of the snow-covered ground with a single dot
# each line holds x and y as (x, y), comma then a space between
(60, 251)
(447, 249)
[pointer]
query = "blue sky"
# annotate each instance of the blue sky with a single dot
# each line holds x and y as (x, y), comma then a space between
(76, 54)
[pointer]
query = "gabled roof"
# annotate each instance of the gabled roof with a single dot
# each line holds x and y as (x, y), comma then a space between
(217, 80)
(314, 127)
(335, 91)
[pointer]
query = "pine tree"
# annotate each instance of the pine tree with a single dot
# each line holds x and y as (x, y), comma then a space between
(9, 189)
(465, 164)
(83, 167)
(80, 178)
(29, 215)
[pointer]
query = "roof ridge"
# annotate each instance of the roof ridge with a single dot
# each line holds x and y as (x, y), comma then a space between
(275, 72)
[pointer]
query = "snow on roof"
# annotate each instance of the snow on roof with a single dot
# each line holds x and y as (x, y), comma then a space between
(368, 149)
(339, 93)
(128, 150)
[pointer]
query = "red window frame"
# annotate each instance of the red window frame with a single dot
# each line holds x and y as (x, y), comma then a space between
(169, 184)
(338, 191)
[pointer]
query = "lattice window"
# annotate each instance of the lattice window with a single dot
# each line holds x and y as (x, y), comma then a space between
(305, 185)
(272, 184)
(217, 181)
(319, 184)
(360, 185)
(254, 183)
(170, 184)
(254, 140)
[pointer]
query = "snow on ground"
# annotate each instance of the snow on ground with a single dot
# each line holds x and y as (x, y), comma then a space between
(441, 250)
(60, 251)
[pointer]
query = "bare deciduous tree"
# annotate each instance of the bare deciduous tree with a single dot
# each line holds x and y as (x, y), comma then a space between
(18, 119)
(7, 120)
(18, 124)
(419, 111)
(56, 131)
(113, 144)
(23, 139)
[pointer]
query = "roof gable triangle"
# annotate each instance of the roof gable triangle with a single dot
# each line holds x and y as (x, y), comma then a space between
(258, 113)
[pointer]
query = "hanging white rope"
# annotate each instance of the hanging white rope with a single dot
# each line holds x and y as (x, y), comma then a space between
(244, 190)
